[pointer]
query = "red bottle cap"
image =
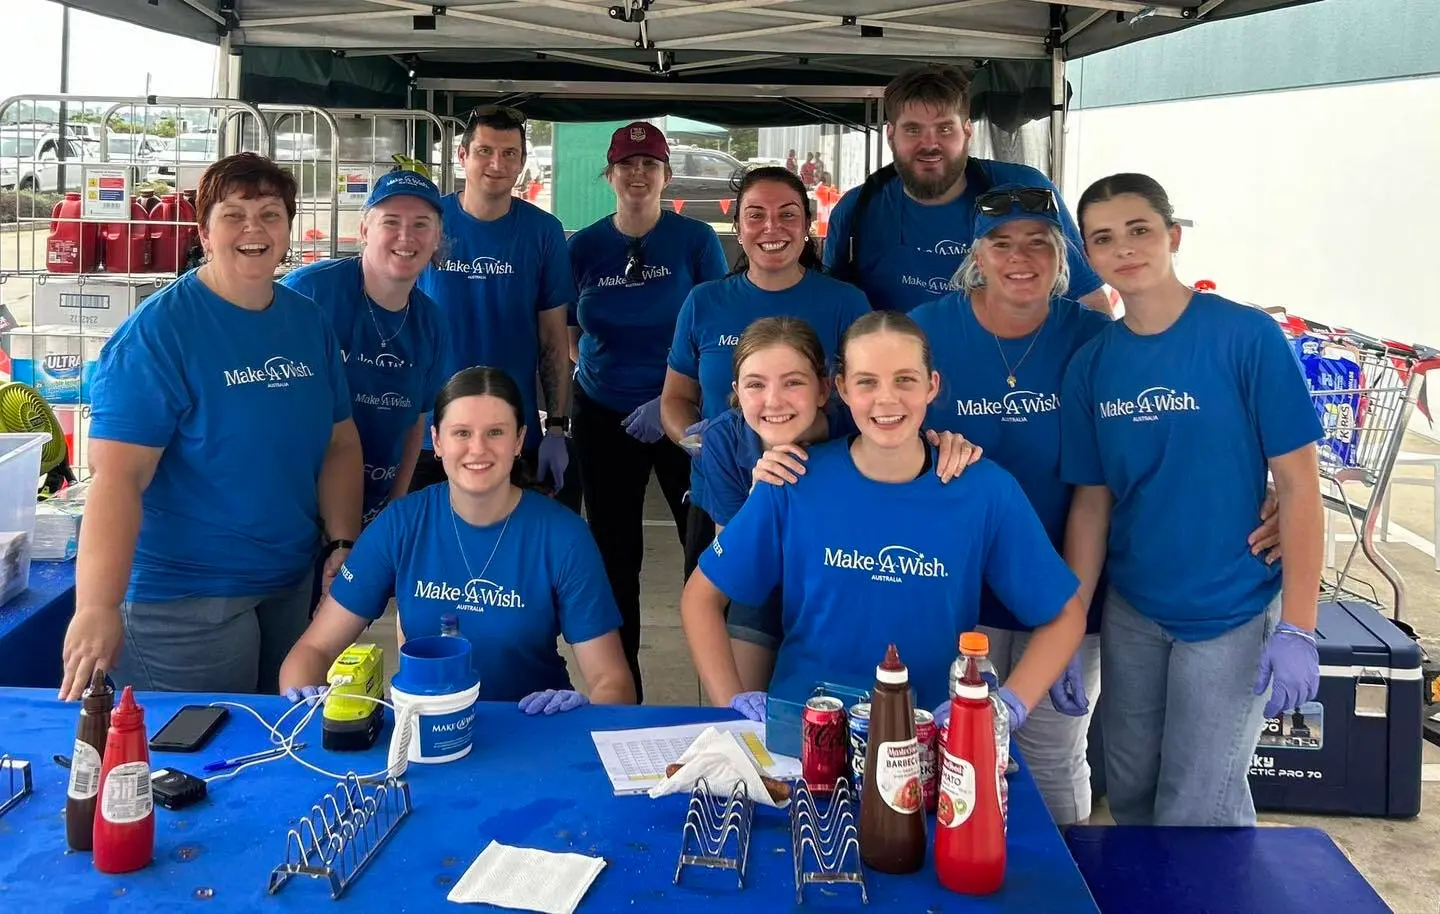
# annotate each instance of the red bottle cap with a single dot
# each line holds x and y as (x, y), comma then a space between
(892, 660)
(127, 713)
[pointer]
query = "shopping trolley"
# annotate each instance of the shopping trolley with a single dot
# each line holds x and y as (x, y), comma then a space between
(1364, 413)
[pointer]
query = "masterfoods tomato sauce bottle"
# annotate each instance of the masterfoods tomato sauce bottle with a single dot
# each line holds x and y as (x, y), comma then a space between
(125, 816)
(892, 817)
(969, 823)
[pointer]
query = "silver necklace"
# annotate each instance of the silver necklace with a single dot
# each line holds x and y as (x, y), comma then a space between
(370, 302)
(455, 525)
(1010, 372)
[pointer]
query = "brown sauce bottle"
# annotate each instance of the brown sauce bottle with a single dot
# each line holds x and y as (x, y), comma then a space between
(83, 791)
(892, 810)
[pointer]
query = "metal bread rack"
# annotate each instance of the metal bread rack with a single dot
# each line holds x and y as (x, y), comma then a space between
(343, 832)
(15, 784)
(710, 821)
(832, 837)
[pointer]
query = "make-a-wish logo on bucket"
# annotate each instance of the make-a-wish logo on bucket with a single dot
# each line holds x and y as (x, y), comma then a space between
(477, 595)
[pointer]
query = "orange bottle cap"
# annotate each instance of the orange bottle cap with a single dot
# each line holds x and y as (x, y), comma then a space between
(974, 643)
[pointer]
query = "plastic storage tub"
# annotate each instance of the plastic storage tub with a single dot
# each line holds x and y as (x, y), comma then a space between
(19, 483)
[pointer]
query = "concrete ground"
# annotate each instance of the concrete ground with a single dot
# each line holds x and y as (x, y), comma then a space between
(1400, 858)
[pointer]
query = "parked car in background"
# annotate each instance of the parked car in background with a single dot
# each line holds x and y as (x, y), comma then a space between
(539, 166)
(31, 161)
(702, 178)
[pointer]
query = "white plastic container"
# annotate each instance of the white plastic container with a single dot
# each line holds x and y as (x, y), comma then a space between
(19, 483)
(444, 729)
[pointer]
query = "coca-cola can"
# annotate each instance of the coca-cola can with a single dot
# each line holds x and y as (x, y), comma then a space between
(824, 744)
(925, 735)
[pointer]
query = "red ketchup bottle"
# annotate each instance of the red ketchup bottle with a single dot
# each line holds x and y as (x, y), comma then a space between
(125, 815)
(969, 823)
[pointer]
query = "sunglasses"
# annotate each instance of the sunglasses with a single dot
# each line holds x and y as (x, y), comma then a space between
(634, 261)
(1036, 200)
(488, 112)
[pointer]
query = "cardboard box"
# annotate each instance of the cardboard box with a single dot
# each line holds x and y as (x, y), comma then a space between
(97, 304)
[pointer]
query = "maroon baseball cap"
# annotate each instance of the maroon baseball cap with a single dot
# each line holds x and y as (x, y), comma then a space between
(638, 139)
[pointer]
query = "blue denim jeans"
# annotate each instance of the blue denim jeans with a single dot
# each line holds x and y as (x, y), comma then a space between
(1181, 719)
(1053, 744)
(212, 644)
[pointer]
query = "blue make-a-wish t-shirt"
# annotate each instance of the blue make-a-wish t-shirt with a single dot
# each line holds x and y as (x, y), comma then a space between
(627, 325)
(493, 281)
(243, 404)
(729, 450)
(862, 564)
(1019, 427)
(516, 585)
(1180, 425)
(908, 251)
(394, 363)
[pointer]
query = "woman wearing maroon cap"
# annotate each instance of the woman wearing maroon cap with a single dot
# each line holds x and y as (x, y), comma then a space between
(634, 269)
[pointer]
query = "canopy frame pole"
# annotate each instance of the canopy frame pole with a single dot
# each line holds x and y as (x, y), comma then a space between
(1057, 115)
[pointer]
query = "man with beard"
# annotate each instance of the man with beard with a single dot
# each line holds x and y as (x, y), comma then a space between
(914, 232)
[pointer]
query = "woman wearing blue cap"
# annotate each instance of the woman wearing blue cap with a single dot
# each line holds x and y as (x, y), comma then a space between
(1171, 418)
(222, 449)
(389, 331)
(634, 269)
(519, 569)
(778, 274)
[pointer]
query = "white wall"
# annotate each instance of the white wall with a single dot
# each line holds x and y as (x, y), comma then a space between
(1325, 201)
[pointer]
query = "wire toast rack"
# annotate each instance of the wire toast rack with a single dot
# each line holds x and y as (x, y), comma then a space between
(15, 782)
(824, 841)
(711, 822)
(343, 832)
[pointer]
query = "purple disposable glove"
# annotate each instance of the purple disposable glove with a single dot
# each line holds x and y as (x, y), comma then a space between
(303, 693)
(553, 460)
(691, 441)
(552, 701)
(750, 704)
(1290, 664)
(1068, 692)
(1015, 706)
(644, 423)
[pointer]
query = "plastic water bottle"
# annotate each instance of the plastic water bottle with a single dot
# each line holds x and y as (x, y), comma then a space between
(450, 625)
(977, 645)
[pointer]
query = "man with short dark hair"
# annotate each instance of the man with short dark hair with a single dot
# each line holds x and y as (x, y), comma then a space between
(503, 285)
(915, 221)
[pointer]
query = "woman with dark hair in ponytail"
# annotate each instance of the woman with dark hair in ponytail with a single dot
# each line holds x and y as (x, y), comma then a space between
(778, 274)
(517, 569)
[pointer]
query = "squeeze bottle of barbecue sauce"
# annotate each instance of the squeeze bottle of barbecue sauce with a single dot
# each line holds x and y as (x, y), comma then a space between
(85, 760)
(125, 815)
(892, 814)
(969, 822)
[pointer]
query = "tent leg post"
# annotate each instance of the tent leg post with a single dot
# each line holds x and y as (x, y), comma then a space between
(1057, 116)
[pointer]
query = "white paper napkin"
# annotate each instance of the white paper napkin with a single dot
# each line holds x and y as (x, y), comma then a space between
(718, 757)
(526, 879)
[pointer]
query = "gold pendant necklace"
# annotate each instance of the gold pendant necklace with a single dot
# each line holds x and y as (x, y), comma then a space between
(1010, 372)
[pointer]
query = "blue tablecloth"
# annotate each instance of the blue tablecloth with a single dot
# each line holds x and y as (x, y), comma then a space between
(1219, 871)
(531, 781)
(32, 627)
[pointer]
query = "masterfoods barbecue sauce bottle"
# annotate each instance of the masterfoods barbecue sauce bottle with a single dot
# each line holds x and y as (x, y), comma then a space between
(892, 817)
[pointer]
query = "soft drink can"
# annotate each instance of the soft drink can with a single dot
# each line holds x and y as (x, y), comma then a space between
(824, 749)
(859, 738)
(929, 772)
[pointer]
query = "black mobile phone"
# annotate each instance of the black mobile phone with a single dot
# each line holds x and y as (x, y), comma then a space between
(190, 729)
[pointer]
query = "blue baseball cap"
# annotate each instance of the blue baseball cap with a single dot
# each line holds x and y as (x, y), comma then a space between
(1012, 202)
(404, 183)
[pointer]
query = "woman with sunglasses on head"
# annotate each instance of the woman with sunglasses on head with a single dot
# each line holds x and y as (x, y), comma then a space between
(519, 570)
(390, 333)
(778, 274)
(870, 548)
(633, 270)
(1171, 418)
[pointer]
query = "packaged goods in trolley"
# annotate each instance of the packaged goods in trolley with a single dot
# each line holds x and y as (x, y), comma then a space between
(57, 360)
(98, 303)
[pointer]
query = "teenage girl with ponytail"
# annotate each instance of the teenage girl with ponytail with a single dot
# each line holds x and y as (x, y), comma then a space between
(778, 274)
